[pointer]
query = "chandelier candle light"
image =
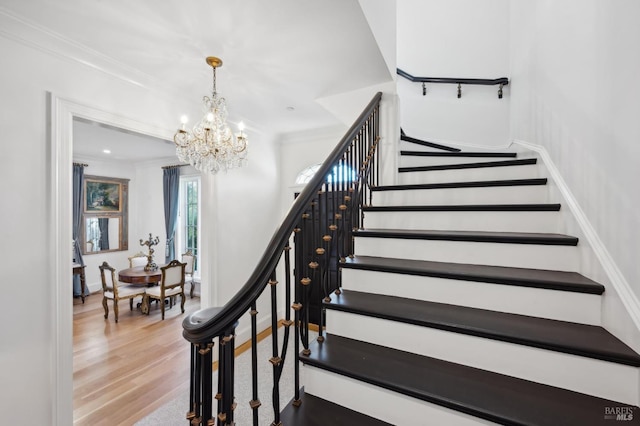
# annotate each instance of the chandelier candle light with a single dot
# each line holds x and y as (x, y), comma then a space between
(211, 146)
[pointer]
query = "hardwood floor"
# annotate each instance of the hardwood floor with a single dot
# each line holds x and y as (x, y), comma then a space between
(122, 372)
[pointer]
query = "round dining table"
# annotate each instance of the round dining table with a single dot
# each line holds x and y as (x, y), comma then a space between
(138, 276)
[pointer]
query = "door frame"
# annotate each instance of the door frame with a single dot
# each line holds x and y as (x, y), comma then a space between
(61, 113)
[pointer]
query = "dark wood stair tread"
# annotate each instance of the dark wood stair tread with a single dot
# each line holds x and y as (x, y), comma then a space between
(471, 184)
(572, 338)
(463, 154)
(472, 236)
(537, 278)
(492, 396)
(426, 143)
(316, 411)
(505, 163)
(467, 208)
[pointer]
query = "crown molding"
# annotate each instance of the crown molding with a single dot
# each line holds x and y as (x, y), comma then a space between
(28, 33)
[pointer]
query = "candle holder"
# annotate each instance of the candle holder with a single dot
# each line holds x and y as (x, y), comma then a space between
(150, 266)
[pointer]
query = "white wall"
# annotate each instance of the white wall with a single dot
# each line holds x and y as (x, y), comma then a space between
(246, 213)
(459, 38)
(301, 150)
(575, 67)
(381, 16)
(30, 340)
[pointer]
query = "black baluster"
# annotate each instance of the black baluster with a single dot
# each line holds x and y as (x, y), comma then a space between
(194, 388)
(275, 359)
(206, 362)
(255, 401)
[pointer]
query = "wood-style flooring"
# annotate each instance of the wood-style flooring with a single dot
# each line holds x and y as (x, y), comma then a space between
(123, 372)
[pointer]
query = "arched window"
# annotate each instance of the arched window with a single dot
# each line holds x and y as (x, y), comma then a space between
(341, 173)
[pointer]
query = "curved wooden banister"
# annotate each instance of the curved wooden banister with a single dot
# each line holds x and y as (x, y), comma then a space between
(199, 328)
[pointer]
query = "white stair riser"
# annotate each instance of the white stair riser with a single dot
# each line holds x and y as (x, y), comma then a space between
(419, 160)
(533, 256)
(605, 379)
(466, 221)
(485, 195)
(381, 403)
(466, 175)
(536, 302)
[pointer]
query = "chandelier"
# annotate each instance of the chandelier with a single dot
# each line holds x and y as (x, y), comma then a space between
(211, 146)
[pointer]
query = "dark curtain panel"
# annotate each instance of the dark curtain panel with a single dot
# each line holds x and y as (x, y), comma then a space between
(78, 178)
(103, 224)
(171, 187)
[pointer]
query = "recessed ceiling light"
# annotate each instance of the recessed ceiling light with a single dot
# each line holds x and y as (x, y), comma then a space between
(106, 151)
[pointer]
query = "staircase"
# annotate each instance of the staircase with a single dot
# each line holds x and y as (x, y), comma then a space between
(464, 306)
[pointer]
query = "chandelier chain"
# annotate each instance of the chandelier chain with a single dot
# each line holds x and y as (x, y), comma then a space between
(214, 82)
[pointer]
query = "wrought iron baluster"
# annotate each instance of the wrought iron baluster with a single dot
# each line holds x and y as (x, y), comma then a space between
(206, 362)
(222, 365)
(227, 342)
(255, 401)
(296, 306)
(275, 360)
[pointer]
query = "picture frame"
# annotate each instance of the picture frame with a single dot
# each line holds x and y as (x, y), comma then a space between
(102, 195)
(105, 214)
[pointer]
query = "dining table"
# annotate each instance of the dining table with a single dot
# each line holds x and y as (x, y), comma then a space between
(138, 276)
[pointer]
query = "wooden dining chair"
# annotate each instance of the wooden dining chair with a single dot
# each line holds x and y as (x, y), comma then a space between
(189, 259)
(114, 290)
(138, 259)
(171, 284)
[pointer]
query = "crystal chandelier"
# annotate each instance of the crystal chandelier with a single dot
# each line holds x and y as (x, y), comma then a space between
(211, 146)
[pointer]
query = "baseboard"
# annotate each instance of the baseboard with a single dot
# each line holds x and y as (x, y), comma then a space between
(466, 145)
(620, 284)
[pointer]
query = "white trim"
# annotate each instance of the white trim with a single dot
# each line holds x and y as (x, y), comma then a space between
(620, 284)
(24, 31)
(62, 111)
(466, 145)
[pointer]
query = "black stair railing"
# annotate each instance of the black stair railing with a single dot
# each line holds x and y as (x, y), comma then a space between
(321, 220)
(500, 82)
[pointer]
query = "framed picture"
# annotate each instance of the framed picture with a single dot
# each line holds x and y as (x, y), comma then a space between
(102, 195)
(106, 214)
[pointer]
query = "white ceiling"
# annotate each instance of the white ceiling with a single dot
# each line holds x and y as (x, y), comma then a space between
(91, 139)
(277, 54)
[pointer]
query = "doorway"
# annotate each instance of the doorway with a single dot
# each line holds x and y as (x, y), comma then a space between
(62, 114)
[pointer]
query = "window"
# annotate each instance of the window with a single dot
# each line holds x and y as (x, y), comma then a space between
(188, 217)
(341, 173)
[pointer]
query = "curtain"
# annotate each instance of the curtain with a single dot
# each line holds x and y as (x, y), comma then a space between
(103, 224)
(171, 187)
(78, 178)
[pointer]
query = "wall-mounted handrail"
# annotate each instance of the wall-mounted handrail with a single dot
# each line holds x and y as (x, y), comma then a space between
(501, 82)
